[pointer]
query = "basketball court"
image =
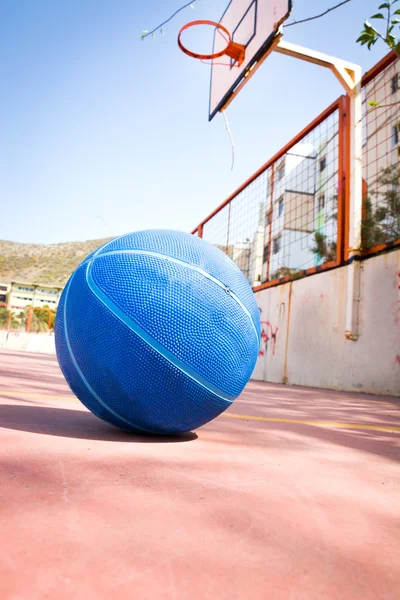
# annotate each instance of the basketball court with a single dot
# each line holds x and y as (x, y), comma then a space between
(294, 493)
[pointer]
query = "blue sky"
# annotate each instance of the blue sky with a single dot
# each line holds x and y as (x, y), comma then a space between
(96, 123)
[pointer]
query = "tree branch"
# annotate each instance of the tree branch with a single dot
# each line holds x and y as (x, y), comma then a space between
(317, 16)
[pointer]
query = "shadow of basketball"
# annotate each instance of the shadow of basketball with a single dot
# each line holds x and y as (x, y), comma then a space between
(76, 424)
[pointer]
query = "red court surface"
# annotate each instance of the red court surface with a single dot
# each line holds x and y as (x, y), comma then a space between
(293, 495)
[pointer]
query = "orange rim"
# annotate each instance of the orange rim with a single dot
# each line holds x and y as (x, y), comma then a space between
(204, 56)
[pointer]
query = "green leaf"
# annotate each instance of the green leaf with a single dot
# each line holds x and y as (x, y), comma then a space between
(395, 21)
(363, 39)
(391, 41)
(373, 103)
(397, 12)
(378, 16)
(384, 5)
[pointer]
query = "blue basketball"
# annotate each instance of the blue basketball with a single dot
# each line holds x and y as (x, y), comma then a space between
(157, 331)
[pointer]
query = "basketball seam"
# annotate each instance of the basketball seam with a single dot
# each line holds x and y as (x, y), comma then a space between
(187, 265)
(150, 341)
(81, 375)
(97, 252)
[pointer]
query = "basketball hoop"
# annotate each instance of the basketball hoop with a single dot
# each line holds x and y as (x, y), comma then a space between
(235, 51)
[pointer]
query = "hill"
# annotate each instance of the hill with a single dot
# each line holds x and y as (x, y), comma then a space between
(43, 263)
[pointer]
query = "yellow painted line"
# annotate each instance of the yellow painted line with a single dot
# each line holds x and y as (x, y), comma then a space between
(333, 424)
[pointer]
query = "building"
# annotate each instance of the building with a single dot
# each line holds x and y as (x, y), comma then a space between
(4, 290)
(37, 295)
(289, 220)
(302, 193)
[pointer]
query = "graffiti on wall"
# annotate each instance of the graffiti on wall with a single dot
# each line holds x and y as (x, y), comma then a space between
(269, 332)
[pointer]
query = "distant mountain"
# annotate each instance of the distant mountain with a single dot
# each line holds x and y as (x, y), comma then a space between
(43, 263)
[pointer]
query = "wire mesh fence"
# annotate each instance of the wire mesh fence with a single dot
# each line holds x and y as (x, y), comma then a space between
(284, 220)
(289, 218)
(381, 157)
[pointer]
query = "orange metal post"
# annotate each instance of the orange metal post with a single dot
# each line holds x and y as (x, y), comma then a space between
(343, 189)
(271, 214)
(29, 320)
(346, 166)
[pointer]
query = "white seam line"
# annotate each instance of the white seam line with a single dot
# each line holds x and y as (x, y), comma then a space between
(150, 341)
(184, 264)
(81, 375)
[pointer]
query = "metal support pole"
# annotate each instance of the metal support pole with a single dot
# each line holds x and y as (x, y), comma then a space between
(349, 75)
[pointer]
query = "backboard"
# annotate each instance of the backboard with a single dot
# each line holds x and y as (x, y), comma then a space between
(255, 24)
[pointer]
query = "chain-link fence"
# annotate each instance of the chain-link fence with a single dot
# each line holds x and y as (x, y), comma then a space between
(381, 156)
(289, 218)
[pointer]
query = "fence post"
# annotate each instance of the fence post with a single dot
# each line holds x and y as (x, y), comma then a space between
(343, 212)
(29, 320)
(271, 217)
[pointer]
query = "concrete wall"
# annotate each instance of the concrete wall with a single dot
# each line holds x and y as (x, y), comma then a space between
(304, 326)
(31, 342)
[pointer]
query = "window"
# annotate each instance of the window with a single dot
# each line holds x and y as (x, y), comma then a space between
(267, 219)
(321, 202)
(322, 164)
(395, 136)
(3, 288)
(394, 84)
(280, 172)
(281, 205)
(265, 253)
(277, 244)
